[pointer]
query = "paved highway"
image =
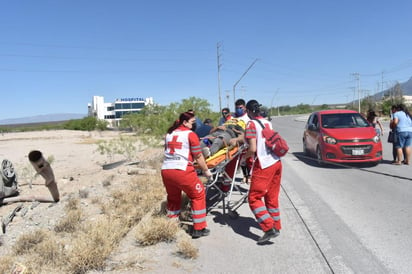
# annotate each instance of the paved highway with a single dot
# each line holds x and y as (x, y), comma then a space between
(335, 219)
(359, 215)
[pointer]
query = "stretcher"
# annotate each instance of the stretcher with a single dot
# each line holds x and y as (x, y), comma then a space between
(224, 190)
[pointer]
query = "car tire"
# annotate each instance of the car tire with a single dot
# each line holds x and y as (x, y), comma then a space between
(7, 172)
(319, 156)
(305, 149)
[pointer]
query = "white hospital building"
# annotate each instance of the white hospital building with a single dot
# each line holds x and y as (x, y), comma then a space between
(113, 112)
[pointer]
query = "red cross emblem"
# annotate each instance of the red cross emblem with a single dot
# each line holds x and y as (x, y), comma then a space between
(174, 144)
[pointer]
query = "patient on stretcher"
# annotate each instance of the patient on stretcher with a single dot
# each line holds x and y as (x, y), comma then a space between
(220, 136)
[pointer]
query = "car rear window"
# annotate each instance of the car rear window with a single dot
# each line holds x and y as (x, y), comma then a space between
(343, 120)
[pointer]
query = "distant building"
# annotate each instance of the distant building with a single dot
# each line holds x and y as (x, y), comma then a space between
(113, 112)
(407, 100)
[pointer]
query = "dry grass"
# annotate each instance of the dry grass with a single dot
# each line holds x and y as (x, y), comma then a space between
(92, 247)
(152, 230)
(71, 222)
(79, 243)
(185, 247)
(28, 242)
(6, 264)
(88, 141)
(39, 250)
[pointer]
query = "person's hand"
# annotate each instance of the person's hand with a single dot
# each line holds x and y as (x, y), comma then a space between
(233, 142)
(207, 173)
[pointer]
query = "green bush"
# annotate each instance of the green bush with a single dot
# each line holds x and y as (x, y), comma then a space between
(87, 123)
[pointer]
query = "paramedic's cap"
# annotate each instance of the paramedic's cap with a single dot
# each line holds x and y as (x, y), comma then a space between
(253, 106)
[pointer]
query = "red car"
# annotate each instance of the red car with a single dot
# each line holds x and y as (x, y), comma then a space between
(341, 136)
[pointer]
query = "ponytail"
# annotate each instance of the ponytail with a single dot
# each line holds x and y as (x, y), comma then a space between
(185, 116)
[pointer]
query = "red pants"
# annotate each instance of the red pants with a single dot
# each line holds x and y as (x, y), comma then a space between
(176, 181)
(266, 185)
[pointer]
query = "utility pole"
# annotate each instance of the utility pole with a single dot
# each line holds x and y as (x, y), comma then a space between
(227, 98)
(234, 86)
(357, 78)
(218, 75)
(271, 101)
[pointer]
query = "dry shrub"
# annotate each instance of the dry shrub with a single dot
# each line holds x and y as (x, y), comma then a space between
(86, 246)
(28, 242)
(72, 204)
(136, 200)
(6, 264)
(49, 250)
(152, 230)
(107, 182)
(88, 140)
(47, 254)
(70, 223)
(185, 247)
(83, 193)
(38, 251)
(91, 248)
(72, 220)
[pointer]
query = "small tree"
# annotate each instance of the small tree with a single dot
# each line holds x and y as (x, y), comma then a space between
(154, 120)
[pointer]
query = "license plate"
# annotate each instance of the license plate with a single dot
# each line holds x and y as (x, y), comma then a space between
(357, 152)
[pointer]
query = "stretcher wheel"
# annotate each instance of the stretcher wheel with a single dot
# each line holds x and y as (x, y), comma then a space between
(233, 214)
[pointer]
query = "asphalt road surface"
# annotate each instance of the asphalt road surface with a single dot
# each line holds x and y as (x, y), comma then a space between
(336, 219)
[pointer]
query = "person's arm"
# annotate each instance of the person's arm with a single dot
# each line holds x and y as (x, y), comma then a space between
(197, 154)
(251, 149)
(380, 125)
(240, 139)
(250, 136)
(395, 122)
(217, 128)
(202, 164)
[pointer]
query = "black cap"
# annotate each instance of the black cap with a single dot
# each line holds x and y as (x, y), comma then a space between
(253, 106)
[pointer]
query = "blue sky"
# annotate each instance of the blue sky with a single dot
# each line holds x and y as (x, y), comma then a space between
(55, 55)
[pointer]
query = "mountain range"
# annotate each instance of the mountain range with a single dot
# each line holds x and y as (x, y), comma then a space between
(55, 117)
(406, 88)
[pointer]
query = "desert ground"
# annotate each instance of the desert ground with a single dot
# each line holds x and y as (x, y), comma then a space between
(85, 175)
(79, 168)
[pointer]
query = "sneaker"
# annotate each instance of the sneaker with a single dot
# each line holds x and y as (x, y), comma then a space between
(200, 233)
(206, 152)
(271, 233)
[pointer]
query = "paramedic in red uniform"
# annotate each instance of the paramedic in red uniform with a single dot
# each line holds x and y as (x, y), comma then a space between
(182, 147)
(266, 173)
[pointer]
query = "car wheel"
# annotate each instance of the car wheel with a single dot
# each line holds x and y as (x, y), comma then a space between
(305, 149)
(319, 156)
(7, 171)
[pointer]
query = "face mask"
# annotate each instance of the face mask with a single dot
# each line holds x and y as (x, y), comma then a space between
(239, 112)
(194, 126)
